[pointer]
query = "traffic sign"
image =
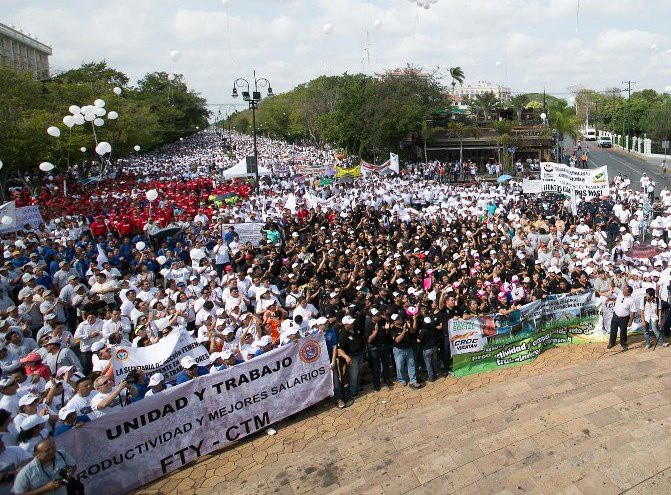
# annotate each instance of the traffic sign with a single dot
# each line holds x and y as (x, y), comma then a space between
(665, 145)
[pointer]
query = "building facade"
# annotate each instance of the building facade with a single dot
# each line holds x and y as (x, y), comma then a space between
(23, 52)
(481, 87)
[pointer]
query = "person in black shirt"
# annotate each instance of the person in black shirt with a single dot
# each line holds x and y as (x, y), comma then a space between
(426, 338)
(351, 348)
(402, 333)
(379, 345)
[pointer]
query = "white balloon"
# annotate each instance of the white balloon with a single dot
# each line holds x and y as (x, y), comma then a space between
(87, 109)
(99, 122)
(46, 166)
(117, 90)
(99, 103)
(7, 220)
(327, 28)
(1, 164)
(140, 246)
(74, 109)
(176, 55)
(498, 63)
(69, 120)
(103, 148)
(100, 112)
(161, 260)
(427, 6)
(668, 51)
(171, 77)
(89, 117)
(54, 131)
(653, 47)
(152, 194)
(82, 149)
(136, 147)
(226, 2)
(377, 23)
(79, 119)
(112, 115)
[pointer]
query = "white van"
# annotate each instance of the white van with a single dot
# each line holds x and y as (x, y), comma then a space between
(590, 134)
(605, 142)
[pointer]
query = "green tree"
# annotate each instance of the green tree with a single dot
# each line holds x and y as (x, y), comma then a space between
(457, 75)
(518, 103)
(657, 121)
(484, 104)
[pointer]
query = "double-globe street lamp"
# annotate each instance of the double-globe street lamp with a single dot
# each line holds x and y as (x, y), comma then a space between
(253, 100)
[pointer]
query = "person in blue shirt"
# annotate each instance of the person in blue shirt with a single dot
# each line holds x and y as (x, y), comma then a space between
(191, 370)
(69, 418)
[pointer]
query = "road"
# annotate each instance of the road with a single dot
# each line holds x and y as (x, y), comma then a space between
(622, 162)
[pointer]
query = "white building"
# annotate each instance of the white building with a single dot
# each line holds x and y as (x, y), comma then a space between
(23, 52)
(481, 87)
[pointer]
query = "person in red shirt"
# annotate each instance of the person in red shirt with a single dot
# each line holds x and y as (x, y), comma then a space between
(33, 365)
(98, 227)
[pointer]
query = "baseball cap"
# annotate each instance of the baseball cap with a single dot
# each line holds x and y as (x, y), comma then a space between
(32, 421)
(28, 399)
(188, 362)
(347, 320)
(64, 412)
(97, 346)
(155, 379)
(266, 339)
(214, 356)
(63, 370)
(31, 357)
(226, 354)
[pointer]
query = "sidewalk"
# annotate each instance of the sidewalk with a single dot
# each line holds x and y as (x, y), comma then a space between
(578, 420)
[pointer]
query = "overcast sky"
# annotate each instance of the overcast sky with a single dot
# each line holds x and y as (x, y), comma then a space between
(526, 44)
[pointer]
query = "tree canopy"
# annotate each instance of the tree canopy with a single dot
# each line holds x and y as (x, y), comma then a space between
(369, 116)
(153, 113)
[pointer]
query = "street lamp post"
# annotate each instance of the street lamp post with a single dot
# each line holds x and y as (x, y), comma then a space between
(253, 100)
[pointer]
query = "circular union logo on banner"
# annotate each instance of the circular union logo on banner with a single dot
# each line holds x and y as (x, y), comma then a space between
(121, 354)
(549, 167)
(310, 352)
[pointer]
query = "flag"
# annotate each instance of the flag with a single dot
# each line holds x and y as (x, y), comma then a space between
(291, 203)
(348, 172)
(102, 257)
(393, 162)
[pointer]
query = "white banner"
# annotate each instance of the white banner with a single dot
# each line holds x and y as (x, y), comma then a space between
(20, 217)
(141, 442)
(393, 162)
(532, 186)
(247, 232)
(162, 357)
(586, 182)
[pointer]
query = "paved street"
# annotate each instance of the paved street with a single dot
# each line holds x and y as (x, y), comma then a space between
(579, 420)
(619, 161)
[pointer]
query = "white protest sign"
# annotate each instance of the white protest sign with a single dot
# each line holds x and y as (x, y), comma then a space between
(20, 217)
(532, 186)
(247, 232)
(585, 182)
(136, 444)
(162, 357)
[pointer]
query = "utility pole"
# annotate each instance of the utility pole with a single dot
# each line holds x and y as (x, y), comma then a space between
(629, 83)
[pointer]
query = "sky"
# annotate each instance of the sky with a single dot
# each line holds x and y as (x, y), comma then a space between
(525, 44)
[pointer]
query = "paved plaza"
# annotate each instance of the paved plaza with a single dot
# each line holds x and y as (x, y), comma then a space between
(579, 420)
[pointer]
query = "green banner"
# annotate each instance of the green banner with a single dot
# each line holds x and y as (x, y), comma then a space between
(504, 355)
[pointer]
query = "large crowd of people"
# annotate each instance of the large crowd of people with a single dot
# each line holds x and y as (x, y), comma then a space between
(378, 266)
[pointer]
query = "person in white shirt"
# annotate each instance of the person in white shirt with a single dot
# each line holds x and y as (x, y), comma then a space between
(306, 310)
(81, 401)
(650, 316)
(623, 316)
(88, 332)
(105, 288)
(109, 397)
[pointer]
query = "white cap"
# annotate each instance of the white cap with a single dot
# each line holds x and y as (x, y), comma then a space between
(347, 320)
(32, 421)
(265, 340)
(98, 346)
(214, 356)
(65, 412)
(155, 379)
(28, 399)
(187, 362)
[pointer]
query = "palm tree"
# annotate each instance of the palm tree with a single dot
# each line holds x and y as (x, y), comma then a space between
(519, 103)
(457, 75)
(462, 131)
(566, 123)
(485, 103)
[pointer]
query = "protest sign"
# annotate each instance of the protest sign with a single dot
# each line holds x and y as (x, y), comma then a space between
(20, 217)
(532, 186)
(585, 182)
(136, 444)
(8, 210)
(162, 357)
(247, 232)
(484, 343)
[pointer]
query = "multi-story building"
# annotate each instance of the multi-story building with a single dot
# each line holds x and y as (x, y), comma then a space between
(23, 52)
(481, 87)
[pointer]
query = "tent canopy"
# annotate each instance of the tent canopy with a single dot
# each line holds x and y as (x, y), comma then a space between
(240, 170)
